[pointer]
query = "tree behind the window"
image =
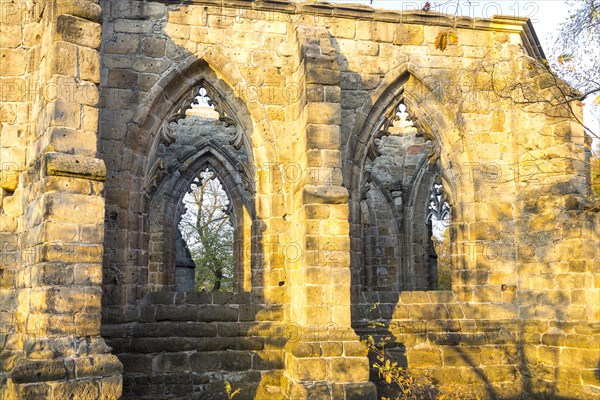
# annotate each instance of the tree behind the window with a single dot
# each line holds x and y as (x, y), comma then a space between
(208, 232)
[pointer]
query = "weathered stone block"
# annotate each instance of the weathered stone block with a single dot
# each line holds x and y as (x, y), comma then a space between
(68, 140)
(424, 357)
(60, 164)
(414, 298)
(360, 391)
(79, 31)
(251, 343)
(355, 349)
(211, 344)
(170, 362)
(236, 361)
(268, 360)
(98, 365)
(27, 371)
(35, 391)
(205, 362)
(323, 114)
(349, 369)
(154, 47)
(177, 313)
(309, 369)
(13, 62)
(579, 358)
(10, 35)
(217, 313)
(341, 28)
(137, 363)
(111, 388)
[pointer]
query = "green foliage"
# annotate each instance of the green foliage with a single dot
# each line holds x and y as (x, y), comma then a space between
(595, 168)
(229, 390)
(398, 378)
(403, 382)
(444, 261)
(576, 56)
(208, 232)
(444, 276)
(214, 262)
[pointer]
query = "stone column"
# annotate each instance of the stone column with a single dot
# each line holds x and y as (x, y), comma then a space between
(325, 359)
(59, 282)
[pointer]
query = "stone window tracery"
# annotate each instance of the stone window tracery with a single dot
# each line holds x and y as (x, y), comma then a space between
(206, 101)
(401, 206)
(201, 138)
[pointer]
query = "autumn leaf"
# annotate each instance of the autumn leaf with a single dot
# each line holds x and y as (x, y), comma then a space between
(443, 38)
(452, 38)
(441, 42)
(565, 58)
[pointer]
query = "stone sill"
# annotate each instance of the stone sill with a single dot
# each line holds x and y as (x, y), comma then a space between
(193, 297)
(408, 297)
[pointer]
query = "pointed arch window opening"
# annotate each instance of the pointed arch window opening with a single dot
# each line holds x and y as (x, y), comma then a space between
(402, 155)
(207, 226)
(438, 220)
(209, 127)
(438, 210)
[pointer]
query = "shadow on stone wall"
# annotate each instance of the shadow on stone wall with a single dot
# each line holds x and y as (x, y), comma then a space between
(550, 350)
(540, 342)
(172, 344)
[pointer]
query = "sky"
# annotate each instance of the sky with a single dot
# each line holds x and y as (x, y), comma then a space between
(546, 15)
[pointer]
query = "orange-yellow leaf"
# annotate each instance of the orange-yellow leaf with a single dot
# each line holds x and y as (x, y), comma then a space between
(441, 42)
(565, 58)
(452, 38)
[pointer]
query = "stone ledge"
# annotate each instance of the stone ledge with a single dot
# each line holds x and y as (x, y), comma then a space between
(359, 11)
(80, 31)
(363, 12)
(197, 298)
(60, 164)
(101, 365)
(324, 194)
(82, 8)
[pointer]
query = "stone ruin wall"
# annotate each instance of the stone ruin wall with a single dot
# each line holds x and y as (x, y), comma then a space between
(91, 177)
(52, 204)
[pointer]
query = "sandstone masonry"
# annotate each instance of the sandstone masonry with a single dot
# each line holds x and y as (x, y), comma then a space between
(330, 126)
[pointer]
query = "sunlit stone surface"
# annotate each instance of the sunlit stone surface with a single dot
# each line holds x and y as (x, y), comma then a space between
(345, 141)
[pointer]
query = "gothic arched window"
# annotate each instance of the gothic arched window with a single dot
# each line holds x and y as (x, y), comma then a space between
(201, 199)
(399, 214)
